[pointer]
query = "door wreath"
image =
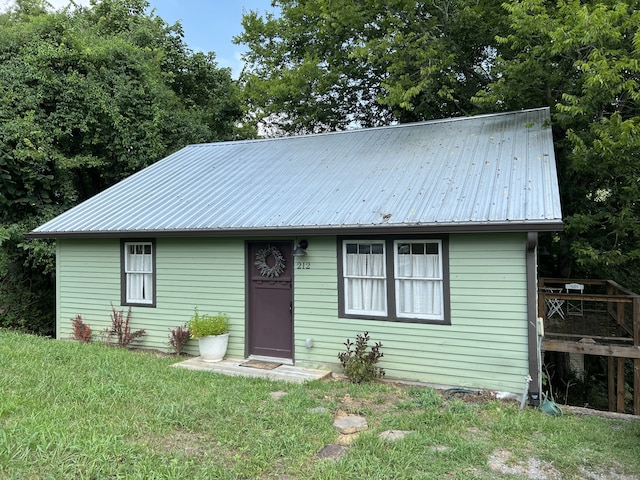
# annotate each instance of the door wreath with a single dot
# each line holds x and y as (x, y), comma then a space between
(265, 269)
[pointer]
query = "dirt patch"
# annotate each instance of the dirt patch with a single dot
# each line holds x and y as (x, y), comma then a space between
(500, 461)
(188, 443)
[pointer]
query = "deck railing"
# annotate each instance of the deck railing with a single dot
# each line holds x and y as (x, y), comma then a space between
(609, 326)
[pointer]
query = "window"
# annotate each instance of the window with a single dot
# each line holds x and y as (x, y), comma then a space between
(365, 278)
(418, 277)
(394, 279)
(138, 273)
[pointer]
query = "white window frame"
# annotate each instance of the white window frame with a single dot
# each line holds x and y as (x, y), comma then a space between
(144, 292)
(433, 280)
(350, 278)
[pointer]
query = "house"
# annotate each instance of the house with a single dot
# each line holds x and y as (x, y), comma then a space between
(422, 234)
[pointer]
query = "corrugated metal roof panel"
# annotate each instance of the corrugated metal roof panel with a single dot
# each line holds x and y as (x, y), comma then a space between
(487, 170)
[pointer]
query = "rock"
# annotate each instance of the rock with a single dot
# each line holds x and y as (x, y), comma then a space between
(439, 448)
(393, 435)
(318, 410)
(277, 395)
(351, 424)
(332, 452)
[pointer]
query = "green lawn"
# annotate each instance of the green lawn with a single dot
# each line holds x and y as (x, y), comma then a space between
(70, 410)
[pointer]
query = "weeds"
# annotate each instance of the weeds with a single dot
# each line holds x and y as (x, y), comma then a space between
(358, 364)
(81, 331)
(121, 329)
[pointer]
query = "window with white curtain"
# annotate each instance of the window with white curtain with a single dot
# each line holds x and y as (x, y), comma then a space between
(138, 273)
(418, 279)
(395, 279)
(365, 277)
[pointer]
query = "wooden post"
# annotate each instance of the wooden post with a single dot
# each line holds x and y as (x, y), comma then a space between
(620, 386)
(635, 316)
(611, 380)
(636, 386)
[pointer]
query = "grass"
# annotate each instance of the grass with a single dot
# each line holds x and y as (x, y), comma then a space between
(87, 411)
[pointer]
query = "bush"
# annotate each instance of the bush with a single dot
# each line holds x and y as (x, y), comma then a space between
(203, 325)
(81, 331)
(358, 364)
(121, 329)
(178, 337)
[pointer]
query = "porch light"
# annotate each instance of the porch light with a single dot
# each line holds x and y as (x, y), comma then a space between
(301, 249)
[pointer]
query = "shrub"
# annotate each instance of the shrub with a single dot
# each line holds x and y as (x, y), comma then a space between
(178, 337)
(81, 331)
(121, 329)
(358, 364)
(203, 325)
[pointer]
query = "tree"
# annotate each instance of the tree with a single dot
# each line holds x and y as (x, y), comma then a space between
(87, 97)
(582, 59)
(328, 64)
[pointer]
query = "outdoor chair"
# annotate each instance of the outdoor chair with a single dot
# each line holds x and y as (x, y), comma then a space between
(575, 307)
(554, 305)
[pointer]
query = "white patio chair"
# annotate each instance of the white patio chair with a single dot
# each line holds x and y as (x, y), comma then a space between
(575, 307)
(554, 305)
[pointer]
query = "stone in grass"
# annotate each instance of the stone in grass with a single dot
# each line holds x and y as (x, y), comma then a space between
(318, 410)
(332, 452)
(393, 435)
(351, 424)
(277, 395)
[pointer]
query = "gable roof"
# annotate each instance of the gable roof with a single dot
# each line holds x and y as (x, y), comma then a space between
(485, 173)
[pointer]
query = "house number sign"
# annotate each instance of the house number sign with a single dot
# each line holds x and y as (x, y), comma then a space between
(303, 265)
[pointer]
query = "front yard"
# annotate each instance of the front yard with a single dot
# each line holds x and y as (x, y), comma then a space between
(70, 410)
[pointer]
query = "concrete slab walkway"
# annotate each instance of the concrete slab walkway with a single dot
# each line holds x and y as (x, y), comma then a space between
(232, 367)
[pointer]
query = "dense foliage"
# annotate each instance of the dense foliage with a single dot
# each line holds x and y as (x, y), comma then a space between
(87, 97)
(328, 64)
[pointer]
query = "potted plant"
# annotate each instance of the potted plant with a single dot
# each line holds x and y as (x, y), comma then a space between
(212, 333)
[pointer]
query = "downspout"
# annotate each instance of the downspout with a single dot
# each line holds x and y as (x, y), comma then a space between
(532, 318)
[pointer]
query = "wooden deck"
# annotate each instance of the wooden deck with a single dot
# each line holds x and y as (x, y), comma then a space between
(608, 325)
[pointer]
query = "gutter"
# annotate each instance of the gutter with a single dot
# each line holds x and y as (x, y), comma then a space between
(318, 230)
(535, 366)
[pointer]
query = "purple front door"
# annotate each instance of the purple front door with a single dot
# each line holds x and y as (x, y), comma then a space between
(270, 299)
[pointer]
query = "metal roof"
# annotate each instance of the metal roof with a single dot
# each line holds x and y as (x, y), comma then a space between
(491, 172)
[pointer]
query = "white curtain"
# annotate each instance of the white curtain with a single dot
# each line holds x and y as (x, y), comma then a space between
(139, 273)
(419, 288)
(365, 292)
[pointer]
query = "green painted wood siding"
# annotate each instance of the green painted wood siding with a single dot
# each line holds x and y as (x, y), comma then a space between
(207, 273)
(486, 344)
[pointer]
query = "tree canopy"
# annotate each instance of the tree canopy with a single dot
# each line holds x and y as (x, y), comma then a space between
(87, 97)
(582, 59)
(328, 64)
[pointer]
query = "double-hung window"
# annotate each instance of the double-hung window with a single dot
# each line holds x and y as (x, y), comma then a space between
(419, 279)
(138, 273)
(365, 277)
(395, 279)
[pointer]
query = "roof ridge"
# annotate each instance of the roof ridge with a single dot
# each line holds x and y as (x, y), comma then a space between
(369, 129)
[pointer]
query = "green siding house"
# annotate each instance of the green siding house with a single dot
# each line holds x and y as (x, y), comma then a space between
(422, 234)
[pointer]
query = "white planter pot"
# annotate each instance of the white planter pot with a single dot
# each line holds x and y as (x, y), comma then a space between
(214, 347)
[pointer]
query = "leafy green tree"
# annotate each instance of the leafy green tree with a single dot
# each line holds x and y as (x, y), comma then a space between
(87, 97)
(328, 64)
(582, 58)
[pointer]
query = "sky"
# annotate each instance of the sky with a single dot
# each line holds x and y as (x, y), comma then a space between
(209, 25)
